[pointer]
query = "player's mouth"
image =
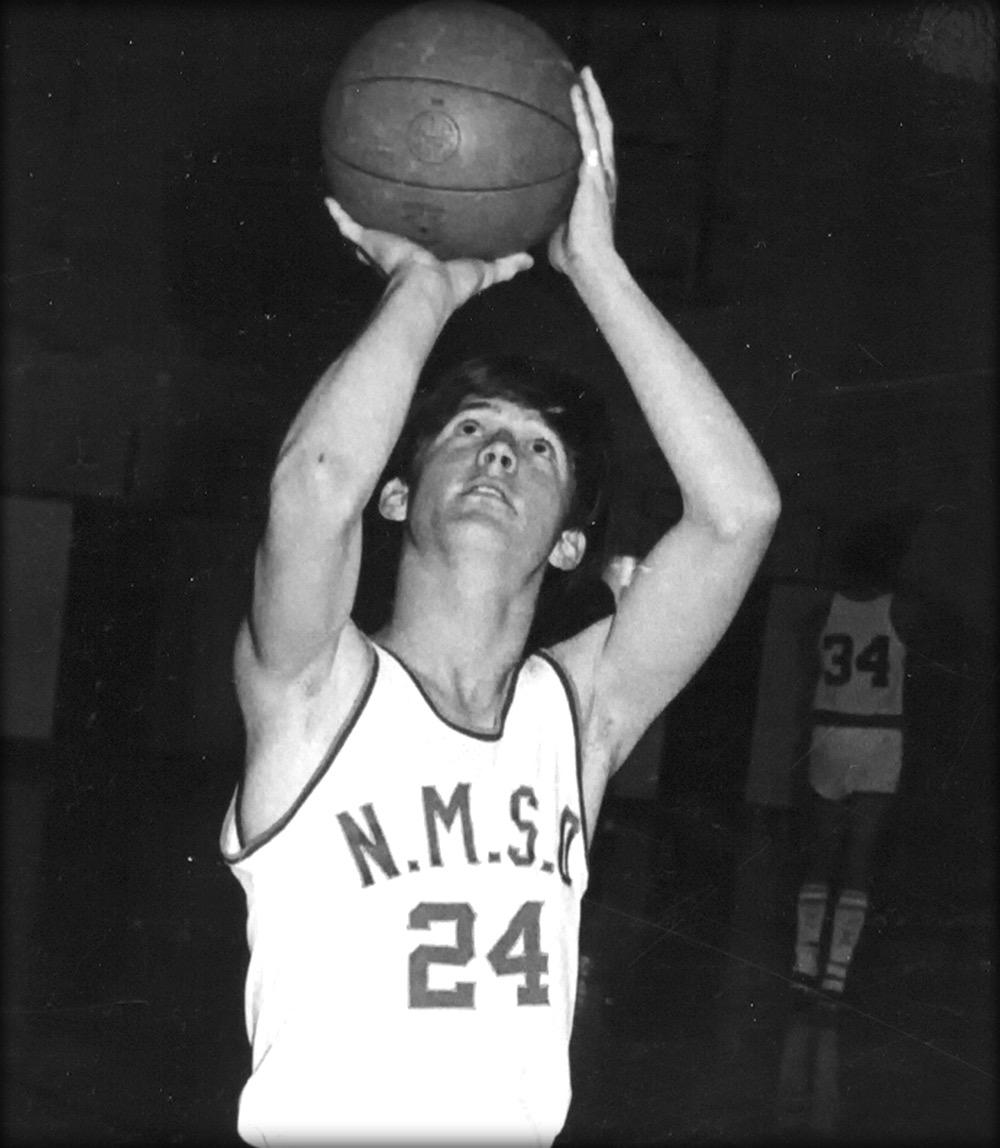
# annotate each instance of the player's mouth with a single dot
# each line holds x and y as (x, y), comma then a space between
(489, 490)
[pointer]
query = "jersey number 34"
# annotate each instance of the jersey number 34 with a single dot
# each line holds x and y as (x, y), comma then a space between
(530, 963)
(839, 661)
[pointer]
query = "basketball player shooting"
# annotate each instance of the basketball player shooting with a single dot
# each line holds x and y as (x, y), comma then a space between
(412, 827)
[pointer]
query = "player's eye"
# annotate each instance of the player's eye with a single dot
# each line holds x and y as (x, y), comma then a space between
(542, 446)
(468, 426)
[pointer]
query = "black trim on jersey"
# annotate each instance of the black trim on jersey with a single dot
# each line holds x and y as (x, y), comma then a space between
(571, 698)
(481, 735)
(339, 738)
(857, 721)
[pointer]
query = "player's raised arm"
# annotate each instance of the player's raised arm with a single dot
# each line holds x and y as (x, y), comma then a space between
(685, 592)
(339, 442)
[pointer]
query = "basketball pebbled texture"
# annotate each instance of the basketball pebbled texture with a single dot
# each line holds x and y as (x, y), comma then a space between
(451, 124)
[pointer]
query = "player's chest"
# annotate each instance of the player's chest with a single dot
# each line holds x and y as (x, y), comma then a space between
(452, 812)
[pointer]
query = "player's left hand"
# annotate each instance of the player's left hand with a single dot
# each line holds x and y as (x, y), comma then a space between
(394, 254)
(588, 231)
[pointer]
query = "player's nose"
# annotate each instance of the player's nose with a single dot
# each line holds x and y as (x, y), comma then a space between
(499, 453)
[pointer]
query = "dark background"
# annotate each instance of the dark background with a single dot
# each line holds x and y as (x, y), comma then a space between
(807, 192)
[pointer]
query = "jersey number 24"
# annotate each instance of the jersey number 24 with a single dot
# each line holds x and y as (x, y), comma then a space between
(530, 963)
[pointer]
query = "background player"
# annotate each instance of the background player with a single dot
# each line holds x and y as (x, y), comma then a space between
(856, 746)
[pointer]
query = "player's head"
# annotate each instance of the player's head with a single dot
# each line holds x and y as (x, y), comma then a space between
(870, 551)
(567, 407)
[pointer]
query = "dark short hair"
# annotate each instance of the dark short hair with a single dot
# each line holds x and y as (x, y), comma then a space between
(566, 404)
(871, 550)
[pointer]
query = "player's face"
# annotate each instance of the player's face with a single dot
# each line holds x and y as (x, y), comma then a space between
(499, 468)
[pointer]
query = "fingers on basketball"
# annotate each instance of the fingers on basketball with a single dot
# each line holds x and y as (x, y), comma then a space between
(348, 227)
(511, 265)
(600, 113)
(585, 127)
(600, 125)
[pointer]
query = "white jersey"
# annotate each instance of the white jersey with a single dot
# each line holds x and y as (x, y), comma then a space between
(862, 663)
(413, 926)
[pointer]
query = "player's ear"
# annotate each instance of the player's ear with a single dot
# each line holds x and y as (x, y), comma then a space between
(568, 551)
(394, 499)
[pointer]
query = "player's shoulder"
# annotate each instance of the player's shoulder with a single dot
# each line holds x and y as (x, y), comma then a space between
(907, 614)
(291, 721)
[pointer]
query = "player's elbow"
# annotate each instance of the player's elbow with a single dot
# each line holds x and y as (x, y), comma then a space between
(764, 508)
(752, 515)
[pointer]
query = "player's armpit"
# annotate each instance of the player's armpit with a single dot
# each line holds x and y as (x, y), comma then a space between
(291, 723)
(675, 610)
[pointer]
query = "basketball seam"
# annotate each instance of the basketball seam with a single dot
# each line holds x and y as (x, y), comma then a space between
(459, 84)
(452, 190)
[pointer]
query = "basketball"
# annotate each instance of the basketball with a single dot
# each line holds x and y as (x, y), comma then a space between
(451, 124)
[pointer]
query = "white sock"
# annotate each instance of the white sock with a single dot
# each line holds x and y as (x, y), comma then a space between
(811, 914)
(848, 921)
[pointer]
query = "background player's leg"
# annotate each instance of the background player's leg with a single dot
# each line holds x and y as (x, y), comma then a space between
(865, 816)
(866, 813)
(825, 829)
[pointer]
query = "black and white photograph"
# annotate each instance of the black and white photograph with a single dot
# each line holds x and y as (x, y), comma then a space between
(499, 573)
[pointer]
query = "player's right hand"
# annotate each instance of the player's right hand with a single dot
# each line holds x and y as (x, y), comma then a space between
(588, 232)
(391, 254)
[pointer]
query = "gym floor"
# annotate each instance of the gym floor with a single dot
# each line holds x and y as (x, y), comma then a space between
(124, 959)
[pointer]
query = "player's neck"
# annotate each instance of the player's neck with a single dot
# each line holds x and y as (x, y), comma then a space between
(462, 635)
(863, 593)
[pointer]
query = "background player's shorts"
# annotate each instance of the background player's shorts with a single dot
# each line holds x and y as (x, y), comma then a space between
(849, 759)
